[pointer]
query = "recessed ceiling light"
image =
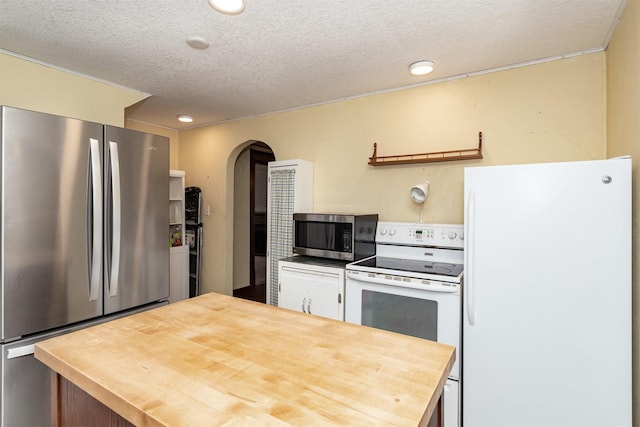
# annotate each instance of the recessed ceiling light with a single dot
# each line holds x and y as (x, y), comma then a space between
(421, 68)
(197, 43)
(185, 119)
(230, 7)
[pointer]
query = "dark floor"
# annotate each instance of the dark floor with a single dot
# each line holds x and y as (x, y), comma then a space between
(253, 293)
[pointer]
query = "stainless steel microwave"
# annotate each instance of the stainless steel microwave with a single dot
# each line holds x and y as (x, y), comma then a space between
(334, 236)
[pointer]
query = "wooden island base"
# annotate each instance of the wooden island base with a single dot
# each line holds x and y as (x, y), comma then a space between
(219, 360)
(72, 406)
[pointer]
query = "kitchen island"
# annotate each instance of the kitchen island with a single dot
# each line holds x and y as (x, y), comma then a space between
(219, 360)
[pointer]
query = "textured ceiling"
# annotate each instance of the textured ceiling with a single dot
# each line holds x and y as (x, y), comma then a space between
(284, 54)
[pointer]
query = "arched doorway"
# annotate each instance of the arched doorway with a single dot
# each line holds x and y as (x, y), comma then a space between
(250, 220)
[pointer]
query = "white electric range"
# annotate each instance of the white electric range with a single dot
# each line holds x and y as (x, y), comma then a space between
(413, 286)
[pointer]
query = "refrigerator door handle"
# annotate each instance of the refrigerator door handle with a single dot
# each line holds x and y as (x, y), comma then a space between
(469, 254)
(96, 255)
(116, 218)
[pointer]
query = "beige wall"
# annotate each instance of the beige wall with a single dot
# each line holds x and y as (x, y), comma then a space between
(32, 86)
(551, 111)
(623, 137)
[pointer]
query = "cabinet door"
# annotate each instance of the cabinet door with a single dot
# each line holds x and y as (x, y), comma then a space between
(311, 291)
(324, 296)
(292, 290)
(178, 277)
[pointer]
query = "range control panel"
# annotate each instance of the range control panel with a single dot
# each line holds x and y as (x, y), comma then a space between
(406, 233)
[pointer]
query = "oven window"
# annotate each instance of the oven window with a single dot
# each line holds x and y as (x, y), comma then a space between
(396, 313)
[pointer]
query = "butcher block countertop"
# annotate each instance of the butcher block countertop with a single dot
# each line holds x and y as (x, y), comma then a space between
(219, 360)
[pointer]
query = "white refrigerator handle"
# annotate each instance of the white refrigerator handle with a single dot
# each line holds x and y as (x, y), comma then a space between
(116, 218)
(469, 254)
(96, 249)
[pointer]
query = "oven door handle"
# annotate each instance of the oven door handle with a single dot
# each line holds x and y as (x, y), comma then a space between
(432, 287)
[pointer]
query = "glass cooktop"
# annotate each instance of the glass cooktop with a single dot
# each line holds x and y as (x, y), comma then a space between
(412, 266)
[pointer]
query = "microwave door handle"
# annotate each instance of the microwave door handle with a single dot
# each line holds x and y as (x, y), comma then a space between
(96, 245)
(382, 281)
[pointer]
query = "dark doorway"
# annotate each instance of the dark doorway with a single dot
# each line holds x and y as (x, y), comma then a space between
(260, 155)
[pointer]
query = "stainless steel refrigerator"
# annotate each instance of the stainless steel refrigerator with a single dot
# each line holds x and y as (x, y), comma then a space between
(84, 212)
(547, 295)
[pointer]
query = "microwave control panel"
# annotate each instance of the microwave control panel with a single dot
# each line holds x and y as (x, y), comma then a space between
(405, 233)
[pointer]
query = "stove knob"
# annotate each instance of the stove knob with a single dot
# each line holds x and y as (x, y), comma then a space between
(392, 232)
(452, 235)
(383, 231)
(461, 236)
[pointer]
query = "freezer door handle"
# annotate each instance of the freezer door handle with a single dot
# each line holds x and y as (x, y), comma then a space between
(469, 254)
(116, 218)
(25, 350)
(96, 246)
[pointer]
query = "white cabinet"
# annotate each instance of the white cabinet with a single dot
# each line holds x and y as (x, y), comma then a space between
(179, 252)
(312, 289)
(289, 190)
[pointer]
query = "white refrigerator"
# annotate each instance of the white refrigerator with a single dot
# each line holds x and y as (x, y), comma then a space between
(547, 296)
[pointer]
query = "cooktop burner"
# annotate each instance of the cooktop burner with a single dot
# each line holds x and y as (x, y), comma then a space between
(412, 266)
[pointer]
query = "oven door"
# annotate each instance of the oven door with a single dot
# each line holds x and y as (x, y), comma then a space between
(401, 305)
(410, 307)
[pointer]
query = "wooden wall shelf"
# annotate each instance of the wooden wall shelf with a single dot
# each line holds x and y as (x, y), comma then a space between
(436, 156)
